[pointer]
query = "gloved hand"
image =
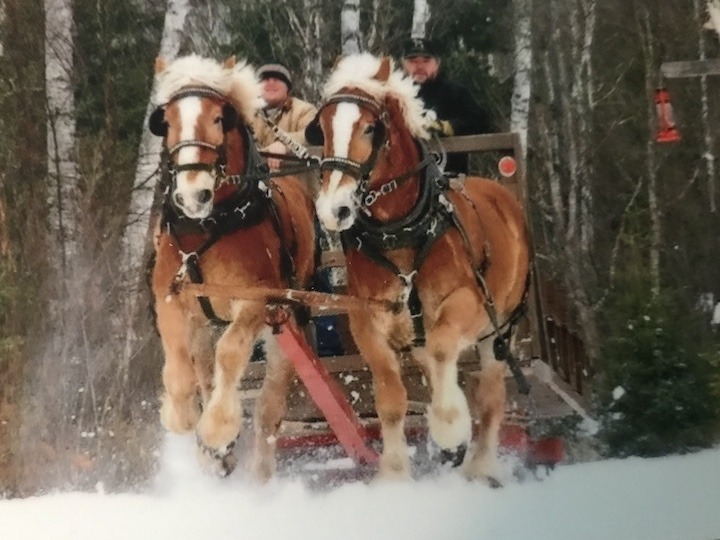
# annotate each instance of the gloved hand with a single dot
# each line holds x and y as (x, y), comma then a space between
(440, 127)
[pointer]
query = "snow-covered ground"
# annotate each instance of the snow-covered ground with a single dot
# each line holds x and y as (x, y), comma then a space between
(673, 498)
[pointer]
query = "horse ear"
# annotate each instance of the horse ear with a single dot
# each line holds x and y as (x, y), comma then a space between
(383, 73)
(160, 65)
(230, 117)
(314, 133)
(230, 62)
(158, 125)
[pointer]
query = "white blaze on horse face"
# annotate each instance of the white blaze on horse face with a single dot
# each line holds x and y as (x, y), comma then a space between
(192, 186)
(336, 205)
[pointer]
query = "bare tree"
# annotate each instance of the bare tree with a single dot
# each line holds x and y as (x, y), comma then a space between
(520, 104)
(147, 172)
(421, 16)
(60, 92)
(350, 35)
(565, 145)
(307, 22)
(651, 161)
(208, 27)
(708, 139)
(135, 240)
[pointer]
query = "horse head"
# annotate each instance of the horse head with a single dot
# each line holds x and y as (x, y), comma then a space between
(369, 118)
(205, 109)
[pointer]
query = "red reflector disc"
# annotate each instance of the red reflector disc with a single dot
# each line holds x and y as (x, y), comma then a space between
(507, 166)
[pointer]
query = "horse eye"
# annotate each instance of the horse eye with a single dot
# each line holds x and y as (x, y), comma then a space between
(370, 129)
(218, 119)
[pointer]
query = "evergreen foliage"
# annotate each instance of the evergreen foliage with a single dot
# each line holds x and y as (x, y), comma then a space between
(656, 393)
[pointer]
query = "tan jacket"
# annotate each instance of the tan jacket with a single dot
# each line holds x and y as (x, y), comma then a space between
(293, 117)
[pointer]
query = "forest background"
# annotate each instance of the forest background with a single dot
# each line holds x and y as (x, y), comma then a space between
(625, 226)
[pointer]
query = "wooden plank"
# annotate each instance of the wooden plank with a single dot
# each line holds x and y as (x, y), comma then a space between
(465, 143)
(690, 68)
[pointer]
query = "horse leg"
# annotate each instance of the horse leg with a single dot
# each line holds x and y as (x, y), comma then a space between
(390, 394)
(448, 414)
(270, 408)
(489, 397)
(179, 411)
(220, 422)
(201, 350)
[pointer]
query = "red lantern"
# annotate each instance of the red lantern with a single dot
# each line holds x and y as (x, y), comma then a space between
(667, 132)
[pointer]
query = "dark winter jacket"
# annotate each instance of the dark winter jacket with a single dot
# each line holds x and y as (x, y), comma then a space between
(451, 102)
(455, 103)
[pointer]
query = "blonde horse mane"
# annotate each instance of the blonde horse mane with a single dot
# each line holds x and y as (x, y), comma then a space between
(359, 70)
(237, 83)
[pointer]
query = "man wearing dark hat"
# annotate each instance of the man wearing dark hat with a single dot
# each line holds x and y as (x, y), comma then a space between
(457, 112)
(290, 114)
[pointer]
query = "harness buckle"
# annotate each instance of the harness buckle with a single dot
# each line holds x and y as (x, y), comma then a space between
(182, 271)
(446, 203)
(408, 280)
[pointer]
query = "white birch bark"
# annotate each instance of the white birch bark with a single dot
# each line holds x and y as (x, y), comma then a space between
(147, 171)
(61, 144)
(350, 35)
(421, 16)
(520, 103)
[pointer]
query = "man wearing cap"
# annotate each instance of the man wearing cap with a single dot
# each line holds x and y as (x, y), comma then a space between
(457, 112)
(289, 113)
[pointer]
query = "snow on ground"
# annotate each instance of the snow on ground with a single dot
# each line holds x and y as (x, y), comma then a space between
(674, 498)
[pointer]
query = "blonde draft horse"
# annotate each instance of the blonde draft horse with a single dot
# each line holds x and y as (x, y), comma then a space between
(218, 227)
(442, 253)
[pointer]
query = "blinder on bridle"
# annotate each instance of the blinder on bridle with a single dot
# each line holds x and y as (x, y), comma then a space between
(230, 119)
(359, 171)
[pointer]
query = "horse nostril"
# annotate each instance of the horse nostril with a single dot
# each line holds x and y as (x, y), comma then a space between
(179, 200)
(204, 196)
(343, 213)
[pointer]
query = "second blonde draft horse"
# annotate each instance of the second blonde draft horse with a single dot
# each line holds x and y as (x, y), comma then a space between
(443, 254)
(224, 222)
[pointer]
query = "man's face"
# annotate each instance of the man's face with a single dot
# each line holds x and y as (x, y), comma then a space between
(421, 68)
(275, 91)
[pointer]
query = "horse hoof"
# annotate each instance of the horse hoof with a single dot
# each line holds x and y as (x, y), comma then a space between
(494, 483)
(453, 456)
(220, 463)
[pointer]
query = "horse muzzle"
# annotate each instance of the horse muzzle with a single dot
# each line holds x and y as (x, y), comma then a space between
(337, 213)
(194, 198)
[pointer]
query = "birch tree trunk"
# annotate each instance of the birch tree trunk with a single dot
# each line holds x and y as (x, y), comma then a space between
(350, 35)
(421, 16)
(520, 103)
(147, 171)
(307, 25)
(62, 164)
(136, 239)
(565, 143)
